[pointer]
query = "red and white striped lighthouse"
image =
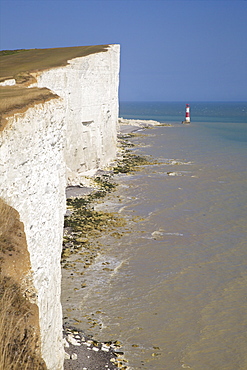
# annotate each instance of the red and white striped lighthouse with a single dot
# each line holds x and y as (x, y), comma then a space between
(187, 113)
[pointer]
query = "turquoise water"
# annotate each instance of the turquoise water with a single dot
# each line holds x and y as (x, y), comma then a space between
(175, 290)
(174, 112)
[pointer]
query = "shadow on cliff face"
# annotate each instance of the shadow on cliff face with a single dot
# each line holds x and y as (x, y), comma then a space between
(19, 319)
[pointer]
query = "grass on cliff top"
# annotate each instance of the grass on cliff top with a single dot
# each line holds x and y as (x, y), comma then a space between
(13, 63)
(15, 99)
(19, 64)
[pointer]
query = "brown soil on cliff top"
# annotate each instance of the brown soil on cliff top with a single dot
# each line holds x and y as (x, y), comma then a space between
(22, 65)
(16, 63)
(15, 99)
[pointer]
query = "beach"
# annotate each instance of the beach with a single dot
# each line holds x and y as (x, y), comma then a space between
(169, 284)
(81, 351)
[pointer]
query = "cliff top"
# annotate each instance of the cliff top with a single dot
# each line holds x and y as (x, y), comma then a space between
(15, 99)
(19, 63)
(22, 65)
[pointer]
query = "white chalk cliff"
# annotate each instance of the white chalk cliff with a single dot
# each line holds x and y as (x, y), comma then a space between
(51, 145)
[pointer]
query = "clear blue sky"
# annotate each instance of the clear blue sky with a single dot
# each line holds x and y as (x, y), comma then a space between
(170, 50)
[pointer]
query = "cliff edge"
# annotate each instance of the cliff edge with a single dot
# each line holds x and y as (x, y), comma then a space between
(48, 141)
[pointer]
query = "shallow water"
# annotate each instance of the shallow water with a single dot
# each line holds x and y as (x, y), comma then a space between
(174, 290)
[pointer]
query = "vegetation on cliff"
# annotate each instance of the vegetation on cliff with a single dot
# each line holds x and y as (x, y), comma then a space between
(17, 99)
(19, 63)
(23, 66)
(19, 320)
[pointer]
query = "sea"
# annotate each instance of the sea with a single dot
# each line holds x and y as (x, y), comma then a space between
(172, 286)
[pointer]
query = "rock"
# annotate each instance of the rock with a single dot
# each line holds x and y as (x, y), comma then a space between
(72, 340)
(107, 269)
(68, 212)
(157, 234)
(105, 348)
(65, 343)
(66, 356)
(173, 173)
(82, 240)
(74, 356)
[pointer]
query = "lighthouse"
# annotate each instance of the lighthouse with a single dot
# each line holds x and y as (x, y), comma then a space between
(187, 114)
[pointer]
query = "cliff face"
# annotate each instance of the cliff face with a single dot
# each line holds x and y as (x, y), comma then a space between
(89, 88)
(49, 146)
(32, 181)
(19, 314)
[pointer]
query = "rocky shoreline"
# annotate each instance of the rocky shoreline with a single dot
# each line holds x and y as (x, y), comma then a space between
(80, 249)
(134, 124)
(84, 353)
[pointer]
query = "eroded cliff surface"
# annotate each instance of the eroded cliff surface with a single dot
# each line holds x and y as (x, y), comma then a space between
(32, 181)
(50, 145)
(89, 86)
(19, 314)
